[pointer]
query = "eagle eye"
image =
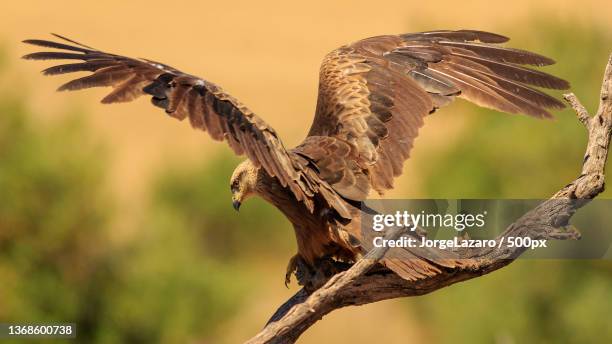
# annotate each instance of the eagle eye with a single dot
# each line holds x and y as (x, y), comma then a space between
(234, 185)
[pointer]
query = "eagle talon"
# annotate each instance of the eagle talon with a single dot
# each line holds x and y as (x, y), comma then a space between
(310, 277)
(298, 267)
(291, 269)
(313, 277)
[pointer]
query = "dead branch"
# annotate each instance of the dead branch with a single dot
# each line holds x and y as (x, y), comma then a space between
(361, 284)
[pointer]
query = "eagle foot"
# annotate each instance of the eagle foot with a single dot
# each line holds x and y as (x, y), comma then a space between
(303, 272)
(312, 277)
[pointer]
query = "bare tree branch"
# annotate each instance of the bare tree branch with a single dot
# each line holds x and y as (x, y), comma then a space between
(581, 111)
(366, 282)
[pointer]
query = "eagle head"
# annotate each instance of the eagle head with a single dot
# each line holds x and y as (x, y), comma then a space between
(243, 182)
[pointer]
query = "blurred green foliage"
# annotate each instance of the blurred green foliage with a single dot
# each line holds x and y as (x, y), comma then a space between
(168, 289)
(200, 196)
(53, 215)
(504, 156)
(527, 302)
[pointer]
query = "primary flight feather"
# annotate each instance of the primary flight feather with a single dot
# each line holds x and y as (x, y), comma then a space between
(373, 96)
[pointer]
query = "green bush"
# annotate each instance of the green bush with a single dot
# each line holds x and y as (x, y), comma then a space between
(200, 196)
(53, 216)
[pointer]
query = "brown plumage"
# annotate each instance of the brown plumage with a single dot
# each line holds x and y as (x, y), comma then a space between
(373, 96)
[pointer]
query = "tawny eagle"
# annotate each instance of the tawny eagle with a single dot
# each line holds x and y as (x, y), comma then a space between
(373, 96)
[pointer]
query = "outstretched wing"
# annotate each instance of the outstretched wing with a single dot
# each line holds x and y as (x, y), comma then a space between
(374, 94)
(182, 95)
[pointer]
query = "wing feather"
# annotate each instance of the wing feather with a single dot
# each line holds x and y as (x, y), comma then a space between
(401, 79)
(502, 54)
(182, 95)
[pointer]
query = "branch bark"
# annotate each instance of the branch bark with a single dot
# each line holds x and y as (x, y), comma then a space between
(361, 284)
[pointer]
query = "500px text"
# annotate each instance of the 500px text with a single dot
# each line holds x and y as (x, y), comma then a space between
(443, 244)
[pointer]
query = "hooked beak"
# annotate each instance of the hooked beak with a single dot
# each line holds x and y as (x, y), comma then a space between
(236, 205)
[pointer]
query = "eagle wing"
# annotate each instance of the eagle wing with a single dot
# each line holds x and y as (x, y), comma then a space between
(374, 94)
(182, 96)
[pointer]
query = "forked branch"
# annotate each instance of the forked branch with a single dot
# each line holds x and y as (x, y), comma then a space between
(361, 284)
